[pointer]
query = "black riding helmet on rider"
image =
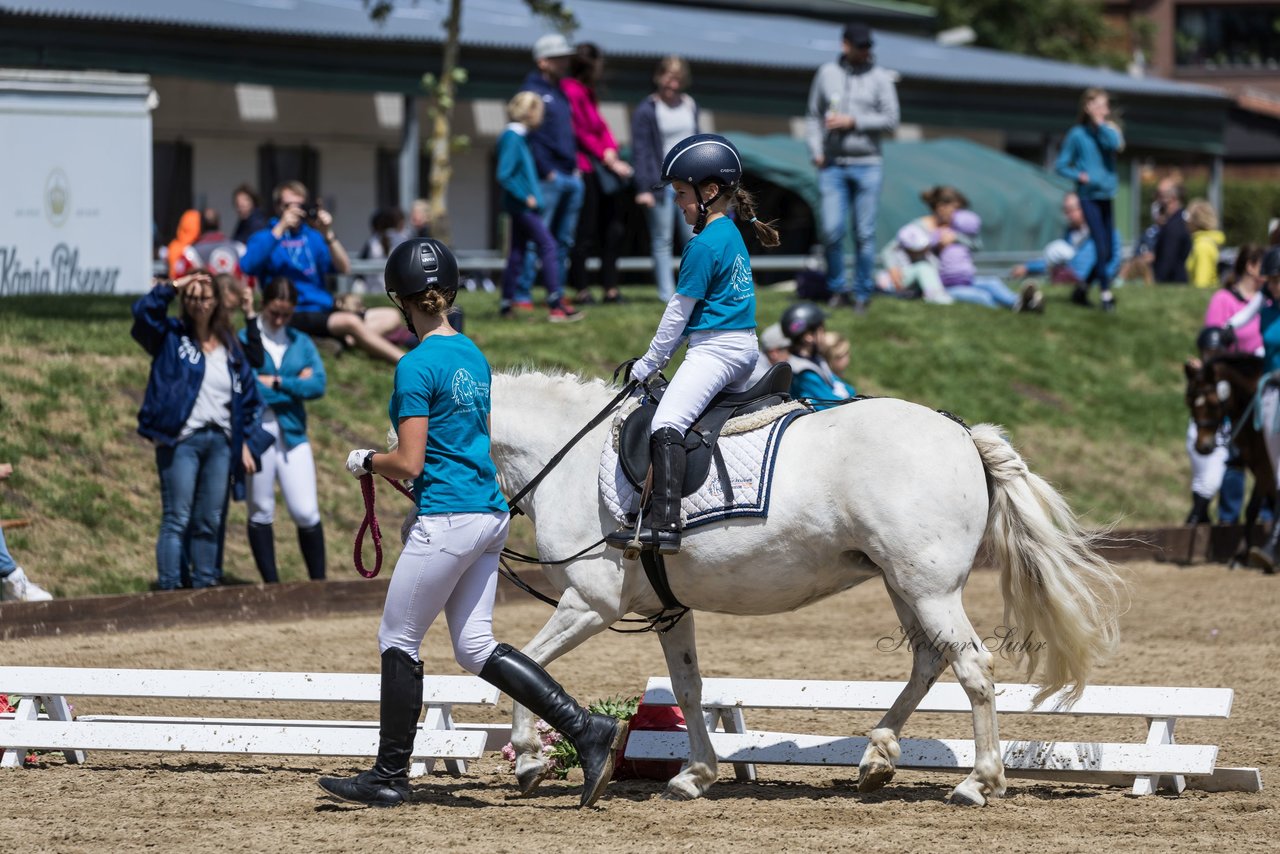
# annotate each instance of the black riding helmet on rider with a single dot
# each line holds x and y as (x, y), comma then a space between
(1213, 340)
(419, 265)
(799, 322)
(698, 159)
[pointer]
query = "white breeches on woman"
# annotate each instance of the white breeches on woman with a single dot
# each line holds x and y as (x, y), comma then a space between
(715, 361)
(295, 470)
(449, 564)
(1207, 470)
(1268, 405)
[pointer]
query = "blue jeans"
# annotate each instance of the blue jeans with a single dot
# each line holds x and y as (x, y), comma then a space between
(561, 202)
(7, 563)
(853, 187)
(664, 218)
(193, 485)
(984, 290)
(1098, 216)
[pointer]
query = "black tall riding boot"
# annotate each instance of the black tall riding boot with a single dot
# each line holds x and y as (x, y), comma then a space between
(311, 541)
(661, 527)
(1264, 556)
(1199, 514)
(387, 783)
(595, 737)
(262, 544)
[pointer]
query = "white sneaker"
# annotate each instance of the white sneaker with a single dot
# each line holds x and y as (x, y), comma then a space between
(16, 587)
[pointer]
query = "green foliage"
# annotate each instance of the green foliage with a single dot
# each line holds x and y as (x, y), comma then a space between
(1247, 206)
(1069, 30)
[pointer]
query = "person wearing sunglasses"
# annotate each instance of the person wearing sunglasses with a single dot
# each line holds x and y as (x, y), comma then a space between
(202, 411)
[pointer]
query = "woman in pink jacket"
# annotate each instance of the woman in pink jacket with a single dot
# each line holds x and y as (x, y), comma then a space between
(1235, 295)
(600, 227)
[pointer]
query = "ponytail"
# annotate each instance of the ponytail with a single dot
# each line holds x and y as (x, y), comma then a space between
(745, 204)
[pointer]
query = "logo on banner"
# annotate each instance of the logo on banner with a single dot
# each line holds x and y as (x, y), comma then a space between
(57, 198)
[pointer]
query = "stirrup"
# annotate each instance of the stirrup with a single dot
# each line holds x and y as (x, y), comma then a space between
(634, 541)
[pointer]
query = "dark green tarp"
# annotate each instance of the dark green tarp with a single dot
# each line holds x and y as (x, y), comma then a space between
(1020, 204)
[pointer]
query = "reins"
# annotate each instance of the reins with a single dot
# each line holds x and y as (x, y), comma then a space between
(370, 524)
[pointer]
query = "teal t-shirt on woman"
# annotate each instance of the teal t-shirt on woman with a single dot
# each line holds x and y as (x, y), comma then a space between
(445, 379)
(715, 269)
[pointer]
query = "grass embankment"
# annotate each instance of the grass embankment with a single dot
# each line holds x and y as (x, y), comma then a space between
(1093, 401)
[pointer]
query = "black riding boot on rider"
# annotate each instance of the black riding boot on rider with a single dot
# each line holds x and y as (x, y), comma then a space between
(387, 783)
(1265, 556)
(661, 527)
(596, 737)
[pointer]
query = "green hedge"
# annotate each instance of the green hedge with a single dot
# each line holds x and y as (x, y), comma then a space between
(1247, 206)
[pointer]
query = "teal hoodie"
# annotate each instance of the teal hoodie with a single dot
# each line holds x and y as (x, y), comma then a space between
(1091, 149)
(287, 402)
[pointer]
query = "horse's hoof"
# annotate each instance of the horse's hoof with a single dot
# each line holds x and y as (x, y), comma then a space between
(531, 778)
(874, 776)
(966, 799)
(676, 795)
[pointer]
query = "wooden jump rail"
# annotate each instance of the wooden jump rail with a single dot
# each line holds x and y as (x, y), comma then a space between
(1158, 762)
(439, 736)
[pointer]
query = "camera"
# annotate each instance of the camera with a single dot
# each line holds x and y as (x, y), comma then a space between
(309, 211)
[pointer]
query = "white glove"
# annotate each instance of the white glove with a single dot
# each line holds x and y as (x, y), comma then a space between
(393, 439)
(355, 462)
(643, 369)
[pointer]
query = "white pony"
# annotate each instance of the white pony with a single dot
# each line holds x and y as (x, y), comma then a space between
(876, 488)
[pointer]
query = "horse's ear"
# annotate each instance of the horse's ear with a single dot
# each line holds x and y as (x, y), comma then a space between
(1191, 367)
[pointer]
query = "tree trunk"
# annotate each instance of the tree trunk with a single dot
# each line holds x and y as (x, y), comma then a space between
(442, 128)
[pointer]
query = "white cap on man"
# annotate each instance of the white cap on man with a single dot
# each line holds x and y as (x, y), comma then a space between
(772, 338)
(1059, 252)
(551, 46)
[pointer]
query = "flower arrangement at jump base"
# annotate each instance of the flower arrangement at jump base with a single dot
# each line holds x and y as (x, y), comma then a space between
(562, 756)
(7, 708)
(560, 753)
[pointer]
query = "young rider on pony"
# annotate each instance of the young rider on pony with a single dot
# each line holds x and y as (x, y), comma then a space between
(714, 306)
(450, 558)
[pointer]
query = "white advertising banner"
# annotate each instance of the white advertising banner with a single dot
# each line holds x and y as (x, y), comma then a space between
(75, 183)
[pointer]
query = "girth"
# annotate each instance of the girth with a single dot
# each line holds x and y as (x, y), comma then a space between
(700, 440)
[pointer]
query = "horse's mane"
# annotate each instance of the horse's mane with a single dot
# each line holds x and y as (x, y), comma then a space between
(558, 379)
(1246, 364)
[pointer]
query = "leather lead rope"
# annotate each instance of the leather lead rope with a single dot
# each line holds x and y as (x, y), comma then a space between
(370, 524)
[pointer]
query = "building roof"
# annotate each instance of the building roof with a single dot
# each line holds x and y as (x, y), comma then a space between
(621, 28)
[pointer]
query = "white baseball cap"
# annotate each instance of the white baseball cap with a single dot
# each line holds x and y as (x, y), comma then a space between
(772, 338)
(550, 46)
(1059, 252)
(913, 238)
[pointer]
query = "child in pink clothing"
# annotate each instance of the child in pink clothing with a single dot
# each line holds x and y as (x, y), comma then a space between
(600, 227)
(1243, 284)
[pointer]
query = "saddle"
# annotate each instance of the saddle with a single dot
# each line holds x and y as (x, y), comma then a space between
(700, 440)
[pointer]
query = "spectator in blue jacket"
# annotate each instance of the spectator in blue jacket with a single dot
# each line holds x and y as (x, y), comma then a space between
(301, 245)
(1073, 258)
(291, 373)
(1088, 157)
(522, 200)
(202, 411)
(555, 156)
(658, 123)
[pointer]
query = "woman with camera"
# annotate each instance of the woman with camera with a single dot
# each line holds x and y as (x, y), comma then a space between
(302, 246)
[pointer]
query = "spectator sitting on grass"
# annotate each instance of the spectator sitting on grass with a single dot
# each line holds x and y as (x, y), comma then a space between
(811, 377)
(1070, 259)
(910, 269)
(835, 348)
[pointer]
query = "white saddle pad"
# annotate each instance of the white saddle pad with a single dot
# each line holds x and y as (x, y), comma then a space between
(748, 443)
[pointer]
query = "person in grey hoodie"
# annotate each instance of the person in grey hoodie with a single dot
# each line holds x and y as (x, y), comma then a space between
(852, 103)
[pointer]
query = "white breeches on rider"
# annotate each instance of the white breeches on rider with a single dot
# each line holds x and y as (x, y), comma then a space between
(715, 361)
(1207, 469)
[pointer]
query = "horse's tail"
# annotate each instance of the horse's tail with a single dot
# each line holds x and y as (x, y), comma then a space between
(1061, 596)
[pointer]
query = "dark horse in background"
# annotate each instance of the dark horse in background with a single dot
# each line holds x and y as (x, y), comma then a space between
(1223, 388)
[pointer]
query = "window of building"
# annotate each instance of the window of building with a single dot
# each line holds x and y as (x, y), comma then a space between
(1228, 38)
(280, 163)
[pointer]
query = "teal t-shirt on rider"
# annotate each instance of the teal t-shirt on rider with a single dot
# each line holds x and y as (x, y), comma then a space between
(446, 380)
(715, 269)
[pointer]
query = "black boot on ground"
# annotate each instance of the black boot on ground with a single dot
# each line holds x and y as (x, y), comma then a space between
(1199, 514)
(661, 527)
(311, 541)
(262, 544)
(1264, 556)
(387, 783)
(596, 737)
